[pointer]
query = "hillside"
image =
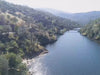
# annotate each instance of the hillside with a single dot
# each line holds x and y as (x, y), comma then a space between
(81, 18)
(43, 26)
(92, 30)
(23, 34)
(85, 18)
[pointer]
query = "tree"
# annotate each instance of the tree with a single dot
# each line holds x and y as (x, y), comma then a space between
(13, 60)
(3, 66)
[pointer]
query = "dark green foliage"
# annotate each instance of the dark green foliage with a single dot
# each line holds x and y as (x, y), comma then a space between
(11, 64)
(3, 66)
(23, 29)
(92, 30)
(13, 60)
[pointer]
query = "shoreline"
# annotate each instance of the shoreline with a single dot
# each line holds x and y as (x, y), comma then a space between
(28, 62)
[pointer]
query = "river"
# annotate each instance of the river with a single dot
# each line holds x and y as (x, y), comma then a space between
(71, 54)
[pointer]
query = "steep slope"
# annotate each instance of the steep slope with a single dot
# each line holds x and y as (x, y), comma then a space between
(28, 30)
(34, 15)
(92, 30)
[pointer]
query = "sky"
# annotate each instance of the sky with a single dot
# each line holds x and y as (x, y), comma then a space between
(72, 6)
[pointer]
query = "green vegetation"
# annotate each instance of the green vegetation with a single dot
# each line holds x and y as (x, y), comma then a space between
(92, 30)
(3, 65)
(11, 61)
(23, 34)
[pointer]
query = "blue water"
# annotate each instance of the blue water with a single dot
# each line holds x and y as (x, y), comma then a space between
(72, 54)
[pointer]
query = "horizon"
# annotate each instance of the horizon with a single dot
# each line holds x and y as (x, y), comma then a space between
(65, 11)
(68, 6)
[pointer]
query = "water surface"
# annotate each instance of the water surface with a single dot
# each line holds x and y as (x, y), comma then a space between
(72, 54)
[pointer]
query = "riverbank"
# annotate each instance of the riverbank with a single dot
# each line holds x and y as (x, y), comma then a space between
(72, 54)
(43, 51)
(29, 62)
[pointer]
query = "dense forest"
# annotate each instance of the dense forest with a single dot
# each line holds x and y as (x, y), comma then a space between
(23, 34)
(92, 30)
